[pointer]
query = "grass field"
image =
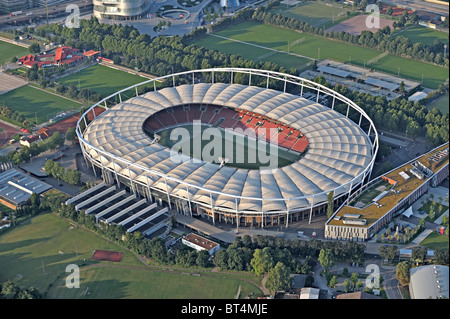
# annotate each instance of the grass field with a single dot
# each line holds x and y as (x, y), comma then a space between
(241, 151)
(441, 104)
(432, 75)
(33, 102)
(102, 79)
(426, 36)
(116, 283)
(315, 13)
(8, 51)
(316, 47)
(30, 255)
(436, 241)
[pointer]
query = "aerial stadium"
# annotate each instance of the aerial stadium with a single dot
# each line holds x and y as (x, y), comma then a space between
(320, 143)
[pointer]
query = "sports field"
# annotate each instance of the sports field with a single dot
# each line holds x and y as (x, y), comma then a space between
(426, 36)
(36, 103)
(9, 50)
(316, 13)
(37, 252)
(102, 79)
(432, 75)
(315, 47)
(242, 152)
(441, 104)
(139, 283)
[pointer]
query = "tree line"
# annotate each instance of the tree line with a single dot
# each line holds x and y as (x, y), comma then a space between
(401, 115)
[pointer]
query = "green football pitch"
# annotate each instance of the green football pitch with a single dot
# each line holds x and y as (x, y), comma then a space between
(426, 36)
(315, 13)
(9, 50)
(256, 39)
(36, 103)
(209, 143)
(103, 80)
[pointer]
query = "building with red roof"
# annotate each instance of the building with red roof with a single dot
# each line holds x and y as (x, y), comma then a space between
(63, 56)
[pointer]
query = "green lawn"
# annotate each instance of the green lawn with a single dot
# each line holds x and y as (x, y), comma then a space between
(436, 241)
(432, 75)
(8, 51)
(426, 36)
(441, 104)
(102, 79)
(315, 13)
(33, 247)
(32, 103)
(117, 283)
(29, 249)
(315, 47)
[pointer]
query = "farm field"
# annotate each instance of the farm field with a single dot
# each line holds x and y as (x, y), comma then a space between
(9, 50)
(36, 253)
(35, 103)
(102, 79)
(316, 47)
(426, 36)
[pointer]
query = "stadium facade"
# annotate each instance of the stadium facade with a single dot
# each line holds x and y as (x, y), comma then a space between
(341, 150)
(120, 9)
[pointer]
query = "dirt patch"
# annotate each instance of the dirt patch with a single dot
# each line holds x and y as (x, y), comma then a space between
(358, 24)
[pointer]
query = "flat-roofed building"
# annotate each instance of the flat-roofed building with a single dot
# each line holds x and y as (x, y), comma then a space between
(17, 187)
(387, 201)
(200, 243)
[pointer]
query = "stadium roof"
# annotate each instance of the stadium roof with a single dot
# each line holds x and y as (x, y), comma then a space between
(339, 149)
(429, 281)
(383, 84)
(333, 71)
(17, 187)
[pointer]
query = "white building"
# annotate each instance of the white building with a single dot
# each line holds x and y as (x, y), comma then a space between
(200, 243)
(120, 9)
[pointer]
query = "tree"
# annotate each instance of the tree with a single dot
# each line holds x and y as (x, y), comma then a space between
(388, 252)
(333, 281)
(389, 10)
(71, 134)
(402, 272)
(326, 259)
(419, 254)
(278, 278)
(262, 261)
(203, 259)
(354, 279)
(34, 48)
(346, 285)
